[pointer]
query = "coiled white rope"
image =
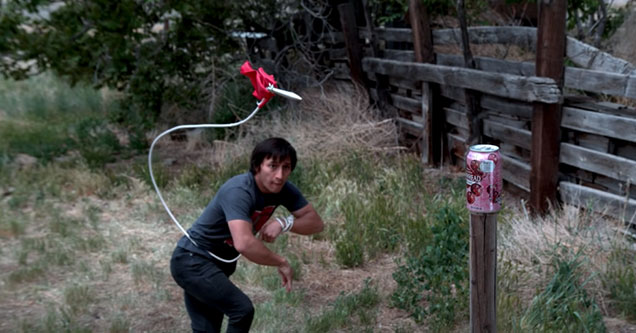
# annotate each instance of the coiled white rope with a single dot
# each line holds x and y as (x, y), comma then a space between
(154, 183)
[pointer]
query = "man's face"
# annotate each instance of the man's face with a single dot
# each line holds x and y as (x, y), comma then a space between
(272, 174)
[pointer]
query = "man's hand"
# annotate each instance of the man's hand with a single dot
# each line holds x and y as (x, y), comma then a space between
(271, 230)
(286, 274)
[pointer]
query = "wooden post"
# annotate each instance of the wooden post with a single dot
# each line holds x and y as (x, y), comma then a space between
(546, 118)
(424, 52)
(382, 86)
(473, 107)
(483, 272)
(352, 41)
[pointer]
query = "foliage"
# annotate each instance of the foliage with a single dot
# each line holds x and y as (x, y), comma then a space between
(437, 270)
(164, 55)
(564, 305)
(393, 12)
(96, 142)
(158, 52)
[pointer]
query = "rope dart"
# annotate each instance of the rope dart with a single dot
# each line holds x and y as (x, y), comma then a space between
(265, 89)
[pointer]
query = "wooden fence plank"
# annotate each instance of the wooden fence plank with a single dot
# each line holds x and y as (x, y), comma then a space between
(453, 93)
(516, 172)
(522, 36)
(601, 82)
(515, 108)
(490, 64)
(590, 57)
(598, 123)
(399, 55)
(599, 201)
(528, 89)
(601, 106)
(457, 145)
(499, 104)
(407, 104)
(608, 83)
(389, 34)
(614, 84)
(517, 136)
(457, 118)
(412, 127)
(581, 54)
(613, 166)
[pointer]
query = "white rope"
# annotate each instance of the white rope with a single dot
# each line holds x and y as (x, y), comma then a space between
(154, 183)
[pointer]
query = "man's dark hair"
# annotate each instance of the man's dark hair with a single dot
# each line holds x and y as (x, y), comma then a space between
(277, 148)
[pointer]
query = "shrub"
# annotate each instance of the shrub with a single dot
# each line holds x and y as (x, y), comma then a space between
(439, 270)
(96, 143)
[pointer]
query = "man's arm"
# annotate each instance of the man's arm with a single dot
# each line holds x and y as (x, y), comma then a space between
(307, 221)
(254, 250)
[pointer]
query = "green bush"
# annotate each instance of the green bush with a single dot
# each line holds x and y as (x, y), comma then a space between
(349, 251)
(96, 143)
(438, 271)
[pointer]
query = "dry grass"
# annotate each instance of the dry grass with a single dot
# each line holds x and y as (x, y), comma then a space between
(531, 243)
(326, 123)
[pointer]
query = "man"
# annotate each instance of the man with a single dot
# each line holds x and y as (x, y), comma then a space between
(202, 263)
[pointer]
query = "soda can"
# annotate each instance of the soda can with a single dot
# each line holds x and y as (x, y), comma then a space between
(483, 179)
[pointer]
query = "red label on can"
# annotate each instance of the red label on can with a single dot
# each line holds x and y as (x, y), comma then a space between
(483, 179)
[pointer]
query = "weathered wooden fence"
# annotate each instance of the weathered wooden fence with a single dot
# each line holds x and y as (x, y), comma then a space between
(597, 155)
(595, 159)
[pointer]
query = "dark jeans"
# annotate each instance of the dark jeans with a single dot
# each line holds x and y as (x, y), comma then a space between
(209, 293)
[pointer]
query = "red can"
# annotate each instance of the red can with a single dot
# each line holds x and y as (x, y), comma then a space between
(483, 179)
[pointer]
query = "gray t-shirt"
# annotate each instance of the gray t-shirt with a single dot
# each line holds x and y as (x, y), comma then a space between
(238, 199)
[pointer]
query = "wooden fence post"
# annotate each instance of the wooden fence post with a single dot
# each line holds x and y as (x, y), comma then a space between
(382, 85)
(473, 108)
(483, 272)
(433, 121)
(352, 41)
(546, 118)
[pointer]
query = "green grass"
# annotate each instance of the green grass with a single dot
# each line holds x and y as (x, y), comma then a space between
(78, 297)
(564, 305)
(46, 118)
(347, 310)
(620, 280)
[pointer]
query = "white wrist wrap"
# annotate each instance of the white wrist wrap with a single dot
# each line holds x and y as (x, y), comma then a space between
(286, 223)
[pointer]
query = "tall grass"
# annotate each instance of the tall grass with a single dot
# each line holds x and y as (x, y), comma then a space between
(45, 118)
(564, 304)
